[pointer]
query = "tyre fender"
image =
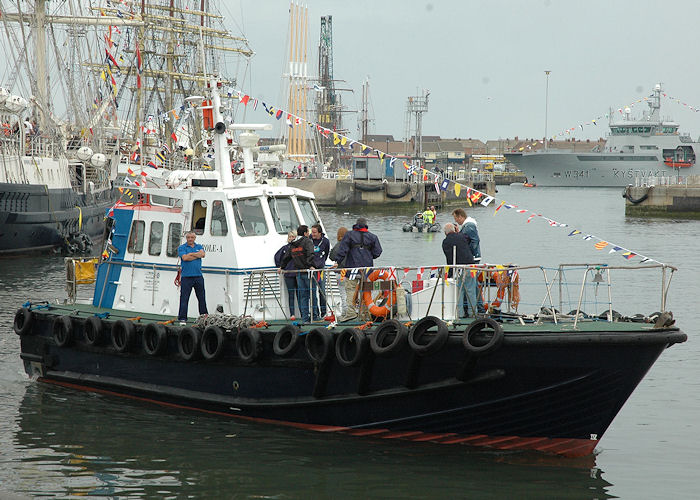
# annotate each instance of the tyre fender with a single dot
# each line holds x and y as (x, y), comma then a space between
(476, 327)
(23, 321)
(319, 344)
(62, 330)
(249, 345)
(212, 342)
(350, 347)
(428, 335)
(123, 335)
(389, 337)
(155, 339)
(286, 341)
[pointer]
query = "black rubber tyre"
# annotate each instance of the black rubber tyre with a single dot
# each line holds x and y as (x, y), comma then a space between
(286, 341)
(428, 335)
(389, 337)
(155, 339)
(477, 327)
(350, 347)
(93, 331)
(249, 345)
(212, 342)
(62, 330)
(23, 321)
(123, 335)
(189, 340)
(319, 344)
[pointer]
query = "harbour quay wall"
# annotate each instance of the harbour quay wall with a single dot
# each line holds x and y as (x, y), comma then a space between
(339, 192)
(675, 200)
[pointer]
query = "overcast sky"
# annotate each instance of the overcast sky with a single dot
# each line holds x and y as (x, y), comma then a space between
(484, 61)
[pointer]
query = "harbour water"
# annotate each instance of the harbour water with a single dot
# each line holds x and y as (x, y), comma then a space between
(58, 442)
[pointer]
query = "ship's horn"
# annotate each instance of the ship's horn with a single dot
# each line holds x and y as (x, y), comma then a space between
(220, 127)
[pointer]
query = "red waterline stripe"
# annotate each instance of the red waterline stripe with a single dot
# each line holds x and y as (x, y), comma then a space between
(560, 446)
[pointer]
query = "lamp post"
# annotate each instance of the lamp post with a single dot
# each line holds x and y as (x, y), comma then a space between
(546, 107)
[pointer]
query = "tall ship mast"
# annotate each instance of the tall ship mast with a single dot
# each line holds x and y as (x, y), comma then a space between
(91, 88)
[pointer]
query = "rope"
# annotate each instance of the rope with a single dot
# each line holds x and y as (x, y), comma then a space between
(226, 321)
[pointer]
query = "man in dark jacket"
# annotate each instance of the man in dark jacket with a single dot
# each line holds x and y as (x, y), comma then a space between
(457, 250)
(290, 279)
(358, 248)
(322, 248)
(301, 251)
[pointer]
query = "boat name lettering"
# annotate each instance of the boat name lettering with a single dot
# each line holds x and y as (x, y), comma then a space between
(577, 173)
(210, 247)
(632, 173)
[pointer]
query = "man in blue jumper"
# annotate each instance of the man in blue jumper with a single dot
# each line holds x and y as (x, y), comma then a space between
(191, 255)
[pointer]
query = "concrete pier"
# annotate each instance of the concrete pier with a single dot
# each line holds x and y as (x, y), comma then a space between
(671, 200)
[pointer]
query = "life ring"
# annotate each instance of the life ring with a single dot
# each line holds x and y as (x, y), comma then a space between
(475, 328)
(23, 321)
(235, 169)
(389, 337)
(319, 344)
(123, 334)
(286, 341)
(62, 331)
(350, 347)
(249, 345)
(421, 331)
(212, 342)
(188, 342)
(155, 339)
(390, 296)
(92, 331)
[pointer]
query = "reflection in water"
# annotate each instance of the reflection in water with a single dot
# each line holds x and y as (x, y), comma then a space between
(86, 444)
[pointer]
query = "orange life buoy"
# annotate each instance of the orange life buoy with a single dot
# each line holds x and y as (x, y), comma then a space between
(389, 295)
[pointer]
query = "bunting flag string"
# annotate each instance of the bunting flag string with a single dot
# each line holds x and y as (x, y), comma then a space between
(473, 196)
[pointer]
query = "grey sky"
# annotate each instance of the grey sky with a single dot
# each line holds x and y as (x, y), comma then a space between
(484, 61)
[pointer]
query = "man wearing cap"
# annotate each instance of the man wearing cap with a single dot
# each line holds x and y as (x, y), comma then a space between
(358, 249)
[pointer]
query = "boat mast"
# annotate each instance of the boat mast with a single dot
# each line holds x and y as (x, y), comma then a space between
(40, 54)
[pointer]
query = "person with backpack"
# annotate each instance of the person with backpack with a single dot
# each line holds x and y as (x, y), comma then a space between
(290, 278)
(358, 249)
(301, 251)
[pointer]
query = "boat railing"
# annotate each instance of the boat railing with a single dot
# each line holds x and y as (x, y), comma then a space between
(567, 293)
(673, 180)
(522, 293)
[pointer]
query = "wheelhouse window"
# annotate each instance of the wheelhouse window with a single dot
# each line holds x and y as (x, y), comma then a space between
(283, 214)
(155, 240)
(218, 226)
(174, 235)
(249, 216)
(138, 229)
(199, 216)
(308, 211)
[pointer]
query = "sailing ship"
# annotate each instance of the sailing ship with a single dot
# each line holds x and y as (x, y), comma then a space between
(637, 151)
(54, 172)
(415, 370)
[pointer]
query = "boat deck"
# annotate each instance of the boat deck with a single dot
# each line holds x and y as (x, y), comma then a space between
(589, 325)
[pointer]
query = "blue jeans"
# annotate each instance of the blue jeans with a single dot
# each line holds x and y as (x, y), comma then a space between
(290, 280)
(303, 295)
(318, 286)
(467, 293)
(186, 285)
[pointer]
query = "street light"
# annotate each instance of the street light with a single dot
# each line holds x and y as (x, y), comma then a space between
(546, 107)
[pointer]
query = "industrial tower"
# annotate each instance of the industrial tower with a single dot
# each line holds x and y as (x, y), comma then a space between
(417, 105)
